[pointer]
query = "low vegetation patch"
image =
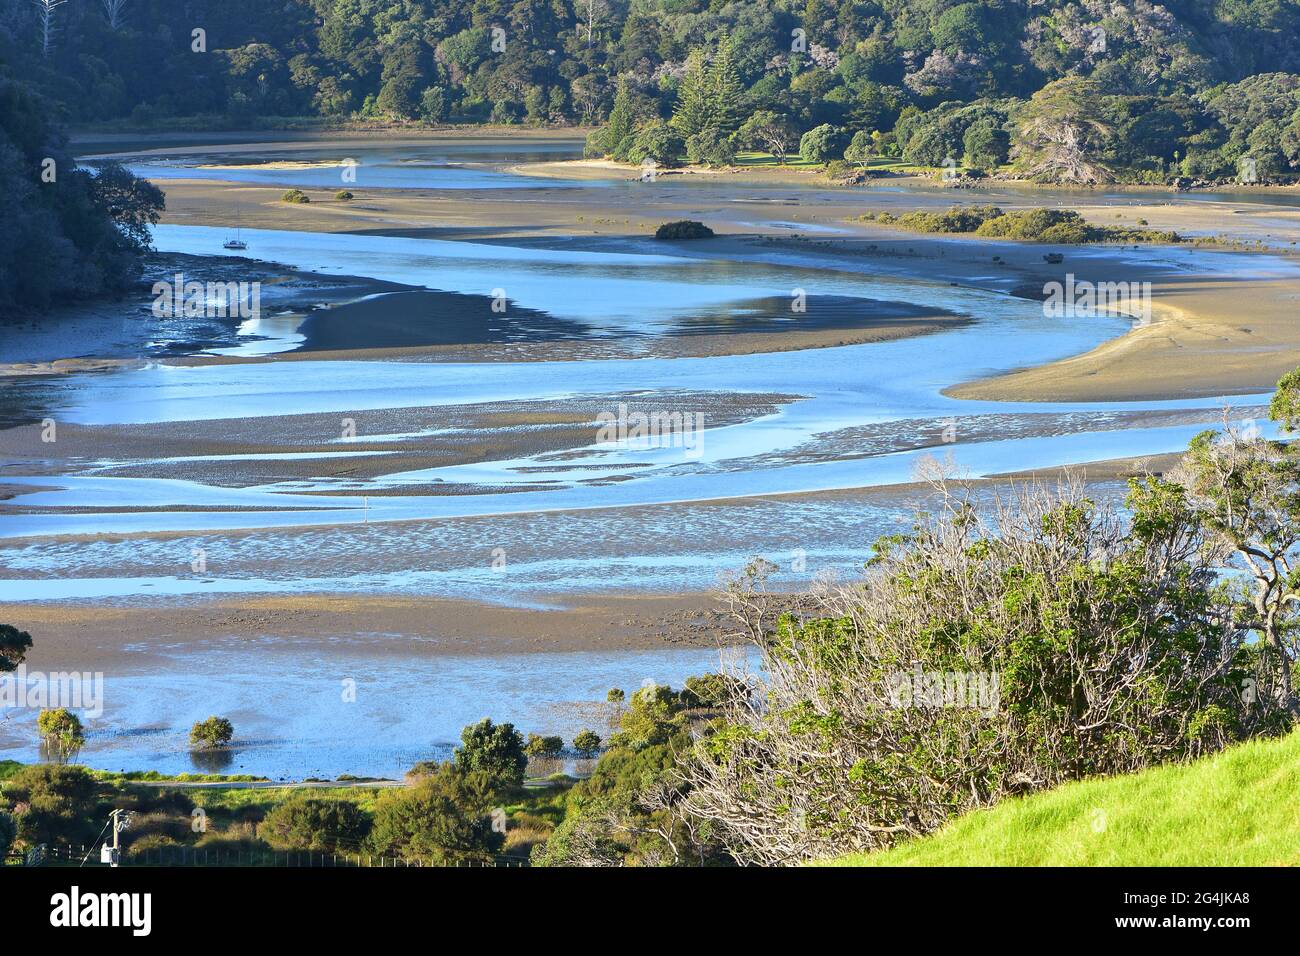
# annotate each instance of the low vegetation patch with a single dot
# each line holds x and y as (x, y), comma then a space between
(1064, 226)
(684, 229)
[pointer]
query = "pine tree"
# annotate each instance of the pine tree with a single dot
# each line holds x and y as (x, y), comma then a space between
(622, 123)
(694, 112)
(725, 89)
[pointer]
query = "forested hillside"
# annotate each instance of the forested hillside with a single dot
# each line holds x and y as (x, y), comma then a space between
(1087, 90)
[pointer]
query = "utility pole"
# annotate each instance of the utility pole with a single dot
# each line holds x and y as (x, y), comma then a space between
(112, 854)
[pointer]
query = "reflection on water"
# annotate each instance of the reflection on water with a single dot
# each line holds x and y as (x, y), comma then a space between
(219, 760)
(433, 166)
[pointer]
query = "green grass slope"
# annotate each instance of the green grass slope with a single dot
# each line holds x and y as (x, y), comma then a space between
(1239, 808)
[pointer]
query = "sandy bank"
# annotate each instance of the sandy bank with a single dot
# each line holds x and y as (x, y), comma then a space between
(239, 452)
(95, 636)
(1207, 337)
(1232, 329)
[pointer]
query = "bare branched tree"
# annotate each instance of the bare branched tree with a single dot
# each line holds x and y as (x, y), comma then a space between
(1245, 490)
(114, 12)
(47, 23)
(591, 11)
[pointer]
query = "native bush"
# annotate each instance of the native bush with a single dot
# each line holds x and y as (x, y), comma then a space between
(989, 652)
(310, 823)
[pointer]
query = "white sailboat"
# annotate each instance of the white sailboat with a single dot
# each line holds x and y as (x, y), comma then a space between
(237, 242)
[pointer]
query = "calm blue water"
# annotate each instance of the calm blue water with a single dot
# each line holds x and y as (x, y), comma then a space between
(441, 166)
(291, 719)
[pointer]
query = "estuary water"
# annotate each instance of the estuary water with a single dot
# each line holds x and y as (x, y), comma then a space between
(849, 415)
(802, 457)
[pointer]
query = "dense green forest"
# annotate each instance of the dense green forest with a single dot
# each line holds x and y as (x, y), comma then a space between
(1087, 91)
(67, 233)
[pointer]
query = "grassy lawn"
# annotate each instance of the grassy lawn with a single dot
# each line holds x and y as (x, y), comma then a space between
(756, 160)
(759, 160)
(1239, 808)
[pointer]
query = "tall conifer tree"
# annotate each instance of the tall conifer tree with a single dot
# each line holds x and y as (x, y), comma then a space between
(694, 112)
(725, 89)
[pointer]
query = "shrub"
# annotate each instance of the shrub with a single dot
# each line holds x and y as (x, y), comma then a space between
(8, 833)
(295, 196)
(625, 814)
(711, 148)
(955, 219)
(14, 645)
(1036, 223)
(309, 823)
(61, 732)
(649, 718)
(152, 841)
(1063, 226)
(54, 804)
(158, 826)
(861, 148)
(658, 142)
(496, 750)
(710, 690)
(587, 743)
(237, 838)
(526, 831)
(344, 196)
(433, 105)
(683, 229)
(211, 733)
(444, 818)
(838, 169)
(421, 769)
(1202, 163)
(984, 657)
(538, 746)
(986, 144)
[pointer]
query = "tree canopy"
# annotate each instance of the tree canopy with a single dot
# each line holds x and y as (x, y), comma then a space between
(1216, 82)
(69, 233)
